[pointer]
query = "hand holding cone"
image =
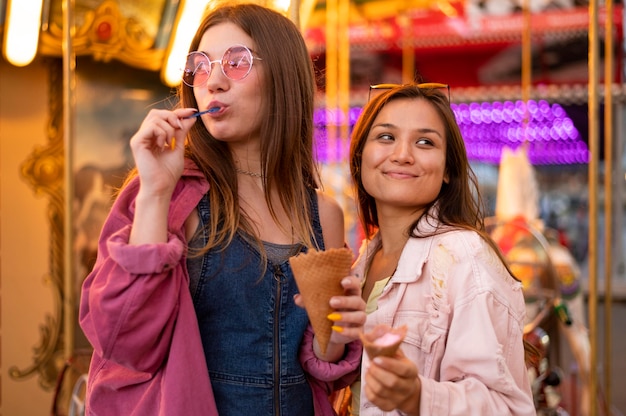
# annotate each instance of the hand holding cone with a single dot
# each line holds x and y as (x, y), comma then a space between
(383, 340)
(318, 275)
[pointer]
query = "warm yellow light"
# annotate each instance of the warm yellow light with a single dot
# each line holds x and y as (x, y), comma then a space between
(282, 5)
(23, 22)
(187, 23)
(305, 11)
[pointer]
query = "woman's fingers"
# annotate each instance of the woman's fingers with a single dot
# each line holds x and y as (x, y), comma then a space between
(297, 298)
(348, 314)
(158, 149)
(392, 383)
(348, 319)
(351, 300)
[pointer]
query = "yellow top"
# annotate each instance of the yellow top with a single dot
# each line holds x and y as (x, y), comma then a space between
(371, 306)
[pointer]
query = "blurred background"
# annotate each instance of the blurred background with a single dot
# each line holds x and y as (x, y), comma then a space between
(537, 87)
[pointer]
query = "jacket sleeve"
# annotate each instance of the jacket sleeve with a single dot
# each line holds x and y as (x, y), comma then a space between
(482, 370)
(325, 377)
(130, 300)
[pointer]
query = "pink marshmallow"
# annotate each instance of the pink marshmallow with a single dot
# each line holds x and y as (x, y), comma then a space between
(387, 339)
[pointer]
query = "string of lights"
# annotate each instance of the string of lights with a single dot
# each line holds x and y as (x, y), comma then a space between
(487, 127)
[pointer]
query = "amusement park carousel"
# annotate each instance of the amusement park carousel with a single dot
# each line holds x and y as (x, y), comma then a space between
(515, 69)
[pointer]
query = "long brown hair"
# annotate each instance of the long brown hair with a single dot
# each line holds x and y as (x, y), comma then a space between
(459, 203)
(287, 129)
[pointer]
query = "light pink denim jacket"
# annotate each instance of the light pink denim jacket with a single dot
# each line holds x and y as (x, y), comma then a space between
(465, 317)
(137, 313)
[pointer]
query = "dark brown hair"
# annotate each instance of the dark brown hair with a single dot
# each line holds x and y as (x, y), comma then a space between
(459, 203)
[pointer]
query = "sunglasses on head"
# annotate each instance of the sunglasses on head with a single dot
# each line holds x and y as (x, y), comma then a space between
(425, 85)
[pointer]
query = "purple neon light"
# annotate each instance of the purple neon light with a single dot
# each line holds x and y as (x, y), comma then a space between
(487, 127)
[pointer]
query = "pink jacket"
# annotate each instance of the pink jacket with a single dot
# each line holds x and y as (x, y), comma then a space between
(465, 317)
(137, 313)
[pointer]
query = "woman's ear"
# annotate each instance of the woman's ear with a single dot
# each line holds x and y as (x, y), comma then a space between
(446, 178)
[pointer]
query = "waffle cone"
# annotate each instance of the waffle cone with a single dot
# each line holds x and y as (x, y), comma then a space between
(375, 349)
(318, 275)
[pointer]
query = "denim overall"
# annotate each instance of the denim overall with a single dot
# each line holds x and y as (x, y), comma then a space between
(251, 329)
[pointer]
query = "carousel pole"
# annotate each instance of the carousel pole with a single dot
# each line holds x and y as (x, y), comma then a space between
(343, 76)
(608, 196)
(593, 202)
(526, 59)
(526, 68)
(69, 66)
(337, 74)
(305, 10)
(408, 54)
(294, 12)
(331, 72)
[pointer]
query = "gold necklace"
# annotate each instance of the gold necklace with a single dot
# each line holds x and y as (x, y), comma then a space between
(247, 172)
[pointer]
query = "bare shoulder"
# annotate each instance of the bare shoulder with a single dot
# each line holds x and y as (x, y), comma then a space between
(331, 219)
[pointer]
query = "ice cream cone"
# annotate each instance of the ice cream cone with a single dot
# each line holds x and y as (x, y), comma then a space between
(383, 340)
(318, 275)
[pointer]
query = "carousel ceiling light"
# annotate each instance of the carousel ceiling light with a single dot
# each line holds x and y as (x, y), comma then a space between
(487, 127)
(23, 22)
(282, 6)
(187, 21)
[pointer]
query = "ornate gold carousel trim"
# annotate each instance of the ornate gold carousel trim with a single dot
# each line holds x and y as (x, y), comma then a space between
(43, 169)
(106, 34)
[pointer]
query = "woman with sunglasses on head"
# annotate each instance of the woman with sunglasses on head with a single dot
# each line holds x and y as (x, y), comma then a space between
(191, 306)
(429, 265)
